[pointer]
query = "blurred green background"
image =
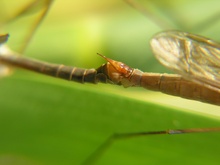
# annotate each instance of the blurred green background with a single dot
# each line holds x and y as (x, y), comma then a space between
(45, 120)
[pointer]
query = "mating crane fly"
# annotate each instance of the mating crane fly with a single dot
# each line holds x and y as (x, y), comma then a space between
(194, 58)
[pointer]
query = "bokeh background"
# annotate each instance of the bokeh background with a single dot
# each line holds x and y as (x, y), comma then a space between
(45, 120)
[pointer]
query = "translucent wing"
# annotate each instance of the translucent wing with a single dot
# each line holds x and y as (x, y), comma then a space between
(194, 57)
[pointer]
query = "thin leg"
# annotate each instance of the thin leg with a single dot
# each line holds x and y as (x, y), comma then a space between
(44, 6)
(205, 24)
(101, 149)
(149, 14)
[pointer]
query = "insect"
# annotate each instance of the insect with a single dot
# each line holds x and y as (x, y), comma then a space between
(109, 72)
(194, 57)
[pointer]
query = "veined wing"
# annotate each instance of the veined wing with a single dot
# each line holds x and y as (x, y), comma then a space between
(194, 57)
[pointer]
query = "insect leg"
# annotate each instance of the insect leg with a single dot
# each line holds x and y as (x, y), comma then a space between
(93, 158)
(44, 6)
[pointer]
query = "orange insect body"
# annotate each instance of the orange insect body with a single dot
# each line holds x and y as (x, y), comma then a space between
(118, 72)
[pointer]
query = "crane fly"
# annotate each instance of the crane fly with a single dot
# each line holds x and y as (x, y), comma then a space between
(193, 57)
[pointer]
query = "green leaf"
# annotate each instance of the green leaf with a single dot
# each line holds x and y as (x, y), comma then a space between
(45, 122)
